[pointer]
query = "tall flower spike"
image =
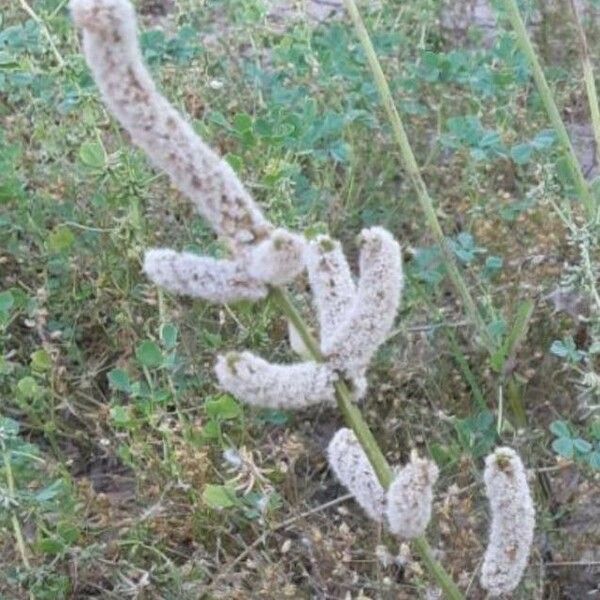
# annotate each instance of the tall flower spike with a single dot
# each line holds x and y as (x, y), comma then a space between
(513, 522)
(260, 383)
(113, 54)
(203, 277)
(112, 51)
(331, 284)
(410, 496)
(368, 322)
(351, 466)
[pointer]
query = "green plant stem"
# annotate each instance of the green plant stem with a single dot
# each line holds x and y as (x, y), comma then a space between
(10, 480)
(57, 55)
(355, 420)
(526, 46)
(414, 174)
(588, 76)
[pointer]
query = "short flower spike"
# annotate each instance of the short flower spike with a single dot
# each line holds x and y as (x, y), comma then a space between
(222, 281)
(260, 383)
(351, 466)
(513, 522)
(331, 284)
(410, 496)
(370, 318)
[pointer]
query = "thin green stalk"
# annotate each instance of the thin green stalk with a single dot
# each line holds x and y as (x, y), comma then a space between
(57, 55)
(356, 422)
(588, 76)
(526, 46)
(10, 480)
(414, 174)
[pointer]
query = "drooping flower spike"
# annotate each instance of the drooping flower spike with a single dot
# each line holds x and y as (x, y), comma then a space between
(112, 51)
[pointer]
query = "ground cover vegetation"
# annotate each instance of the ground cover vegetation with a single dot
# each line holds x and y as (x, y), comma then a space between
(126, 471)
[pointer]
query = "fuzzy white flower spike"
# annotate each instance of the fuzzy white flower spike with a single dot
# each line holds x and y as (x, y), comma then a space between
(369, 320)
(513, 522)
(331, 284)
(410, 496)
(351, 466)
(112, 51)
(211, 279)
(279, 259)
(260, 383)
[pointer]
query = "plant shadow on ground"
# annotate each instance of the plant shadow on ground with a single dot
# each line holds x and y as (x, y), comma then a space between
(135, 476)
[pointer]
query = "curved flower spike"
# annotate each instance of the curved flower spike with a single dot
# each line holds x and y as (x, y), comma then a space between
(260, 383)
(351, 466)
(410, 496)
(113, 54)
(214, 280)
(331, 284)
(368, 322)
(112, 51)
(513, 522)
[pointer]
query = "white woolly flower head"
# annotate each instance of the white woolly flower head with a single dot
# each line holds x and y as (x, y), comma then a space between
(351, 466)
(112, 51)
(278, 259)
(410, 496)
(369, 320)
(260, 383)
(211, 279)
(331, 284)
(99, 16)
(513, 522)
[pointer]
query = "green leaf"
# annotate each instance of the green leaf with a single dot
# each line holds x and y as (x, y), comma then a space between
(11, 189)
(274, 417)
(593, 459)
(50, 492)
(219, 496)
(211, 431)
(28, 387)
(242, 122)
(168, 335)
(61, 239)
(582, 446)
(563, 447)
(544, 139)
(560, 429)
(51, 545)
(92, 155)
(515, 336)
(9, 428)
(119, 380)
(236, 161)
(41, 361)
(149, 354)
(120, 416)
(566, 349)
(7, 301)
(521, 153)
(493, 264)
(558, 348)
(223, 407)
